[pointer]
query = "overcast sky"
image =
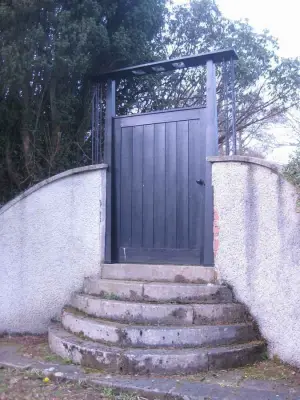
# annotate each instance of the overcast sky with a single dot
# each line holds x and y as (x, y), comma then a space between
(281, 18)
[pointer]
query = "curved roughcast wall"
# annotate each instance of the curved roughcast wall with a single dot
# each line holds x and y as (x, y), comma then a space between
(51, 237)
(258, 230)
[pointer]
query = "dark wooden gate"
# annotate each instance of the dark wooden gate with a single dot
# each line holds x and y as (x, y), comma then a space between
(159, 206)
(158, 189)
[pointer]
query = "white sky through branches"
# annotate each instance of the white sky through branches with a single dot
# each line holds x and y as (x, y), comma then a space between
(281, 18)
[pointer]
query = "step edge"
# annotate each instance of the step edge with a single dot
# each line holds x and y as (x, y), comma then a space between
(154, 283)
(166, 267)
(62, 334)
(137, 326)
(122, 301)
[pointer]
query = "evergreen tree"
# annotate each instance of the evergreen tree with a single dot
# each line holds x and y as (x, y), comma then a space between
(48, 50)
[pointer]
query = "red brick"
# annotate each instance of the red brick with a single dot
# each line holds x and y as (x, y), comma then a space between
(216, 230)
(216, 245)
(216, 215)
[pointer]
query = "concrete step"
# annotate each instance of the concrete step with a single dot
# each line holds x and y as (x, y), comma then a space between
(156, 336)
(163, 314)
(159, 273)
(145, 361)
(157, 292)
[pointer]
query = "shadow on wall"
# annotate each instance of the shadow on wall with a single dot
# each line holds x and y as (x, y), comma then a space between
(259, 247)
(51, 237)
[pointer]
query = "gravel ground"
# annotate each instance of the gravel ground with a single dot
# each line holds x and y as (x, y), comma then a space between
(16, 385)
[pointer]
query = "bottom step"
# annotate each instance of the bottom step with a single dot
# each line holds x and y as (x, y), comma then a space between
(144, 361)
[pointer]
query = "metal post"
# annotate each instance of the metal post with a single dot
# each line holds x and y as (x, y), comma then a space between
(211, 105)
(108, 143)
(93, 124)
(96, 125)
(233, 106)
(101, 126)
(211, 150)
(225, 82)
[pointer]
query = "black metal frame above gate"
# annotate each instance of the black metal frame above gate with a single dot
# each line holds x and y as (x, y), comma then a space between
(102, 128)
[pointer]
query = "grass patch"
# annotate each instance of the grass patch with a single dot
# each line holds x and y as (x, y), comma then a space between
(273, 370)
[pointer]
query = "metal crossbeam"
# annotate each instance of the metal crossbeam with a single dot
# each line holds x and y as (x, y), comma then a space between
(167, 65)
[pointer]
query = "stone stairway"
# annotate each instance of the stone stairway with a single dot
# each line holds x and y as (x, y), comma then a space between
(140, 319)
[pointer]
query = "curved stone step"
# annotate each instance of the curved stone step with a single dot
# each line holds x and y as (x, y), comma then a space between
(156, 336)
(164, 314)
(159, 273)
(157, 292)
(144, 361)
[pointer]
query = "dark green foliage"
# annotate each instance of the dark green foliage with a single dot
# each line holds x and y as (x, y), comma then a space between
(48, 49)
(292, 170)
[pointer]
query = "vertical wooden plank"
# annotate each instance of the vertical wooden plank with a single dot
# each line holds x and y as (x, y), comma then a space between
(171, 181)
(182, 237)
(126, 187)
(108, 143)
(159, 185)
(211, 150)
(196, 191)
(148, 180)
(137, 186)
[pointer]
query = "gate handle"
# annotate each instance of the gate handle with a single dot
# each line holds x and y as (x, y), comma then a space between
(201, 182)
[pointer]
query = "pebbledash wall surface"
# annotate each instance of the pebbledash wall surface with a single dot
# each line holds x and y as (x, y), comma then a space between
(257, 246)
(51, 237)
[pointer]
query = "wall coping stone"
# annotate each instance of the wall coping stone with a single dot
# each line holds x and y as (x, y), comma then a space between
(51, 179)
(276, 168)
